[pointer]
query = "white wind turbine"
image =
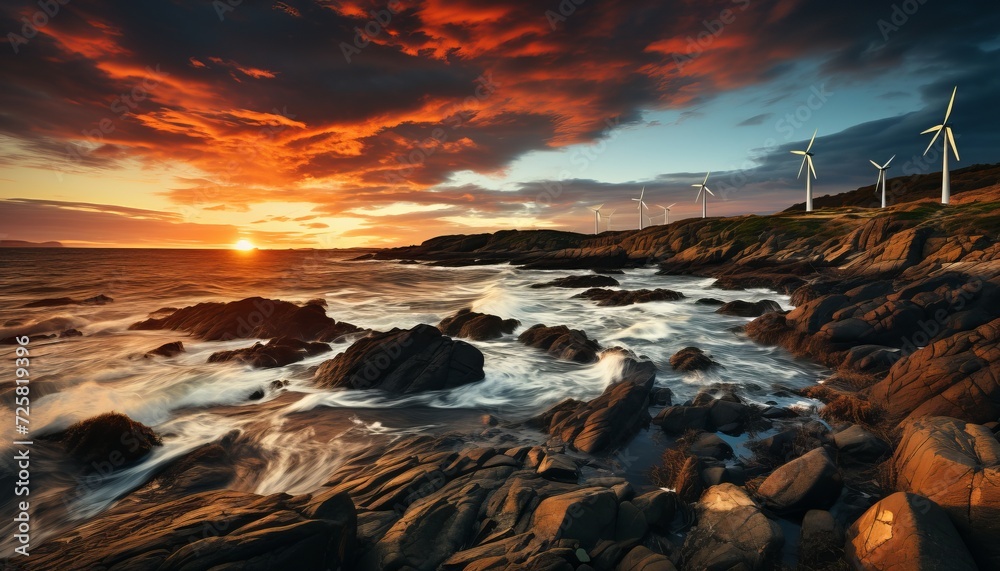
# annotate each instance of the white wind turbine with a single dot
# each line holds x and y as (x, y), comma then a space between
(666, 212)
(641, 205)
(597, 218)
(609, 217)
(703, 193)
(881, 176)
(807, 158)
(949, 140)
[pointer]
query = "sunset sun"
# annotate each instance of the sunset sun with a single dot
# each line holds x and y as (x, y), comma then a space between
(243, 245)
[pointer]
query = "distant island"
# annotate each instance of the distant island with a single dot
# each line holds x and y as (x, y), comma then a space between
(24, 244)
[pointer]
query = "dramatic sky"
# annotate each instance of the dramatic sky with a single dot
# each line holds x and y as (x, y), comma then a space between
(321, 123)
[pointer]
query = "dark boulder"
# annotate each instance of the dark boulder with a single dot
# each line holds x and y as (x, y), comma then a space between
(691, 359)
(71, 333)
(166, 350)
(579, 282)
(740, 308)
(619, 298)
(109, 437)
(680, 419)
(56, 302)
(811, 481)
(276, 353)
(858, 446)
(732, 533)
(708, 445)
(250, 318)
(710, 301)
(562, 342)
(477, 326)
(403, 361)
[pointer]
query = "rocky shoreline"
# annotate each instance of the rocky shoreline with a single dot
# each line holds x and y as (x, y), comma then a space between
(901, 470)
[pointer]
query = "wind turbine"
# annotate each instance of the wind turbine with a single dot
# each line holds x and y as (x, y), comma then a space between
(666, 212)
(703, 193)
(641, 205)
(949, 139)
(609, 216)
(807, 158)
(597, 218)
(881, 177)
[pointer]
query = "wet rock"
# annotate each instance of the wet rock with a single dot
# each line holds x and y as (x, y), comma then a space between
(658, 508)
(56, 302)
(691, 359)
(257, 394)
(584, 515)
(317, 301)
(640, 558)
(906, 531)
(70, 333)
(709, 445)
(680, 419)
(731, 533)
(559, 467)
(562, 343)
(956, 465)
(958, 376)
(811, 481)
(619, 298)
(857, 445)
(580, 282)
(740, 308)
(250, 318)
(403, 361)
(477, 326)
(110, 437)
(276, 353)
(710, 301)
(166, 350)
(821, 542)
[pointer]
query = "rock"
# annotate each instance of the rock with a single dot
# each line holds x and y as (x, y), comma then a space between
(584, 515)
(691, 359)
(70, 333)
(579, 282)
(96, 300)
(257, 394)
(903, 532)
(251, 318)
(731, 533)
(110, 437)
(562, 343)
(477, 326)
(958, 376)
(640, 558)
(403, 361)
(811, 481)
(559, 467)
(658, 508)
(740, 308)
(710, 301)
(317, 301)
(679, 419)
(276, 353)
(608, 421)
(956, 465)
(857, 445)
(212, 530)
(821, 541)
(615, 298)
(709, 445)
(166, 350)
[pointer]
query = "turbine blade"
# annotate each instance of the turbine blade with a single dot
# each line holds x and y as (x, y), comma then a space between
(709, 191)
(671, 206)
(643, 193)
(700, 190)
(811, 141)
(934, 140)
(802, 153)
(706, 178)
(950, 137)
(803, 165)
(951, 104)
(932, 129)
(696, 185)
(889, 162)
(874, 163)
(812, 167)
(644, 206)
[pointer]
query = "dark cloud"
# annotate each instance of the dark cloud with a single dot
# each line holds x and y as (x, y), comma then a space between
(755, 120)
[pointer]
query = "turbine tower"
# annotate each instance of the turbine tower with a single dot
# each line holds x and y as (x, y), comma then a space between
(881, 176)
(807, 158)
(609, 216)
(597, 218)
(703, 193)
(949, 140)
(641, 205)
(666, 212)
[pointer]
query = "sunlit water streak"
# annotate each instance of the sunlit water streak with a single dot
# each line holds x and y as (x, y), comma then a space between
(304, 433)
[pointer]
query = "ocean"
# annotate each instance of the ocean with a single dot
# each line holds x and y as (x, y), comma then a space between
(302, 433)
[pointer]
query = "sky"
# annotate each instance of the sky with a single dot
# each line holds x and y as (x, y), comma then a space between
(326, 124)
